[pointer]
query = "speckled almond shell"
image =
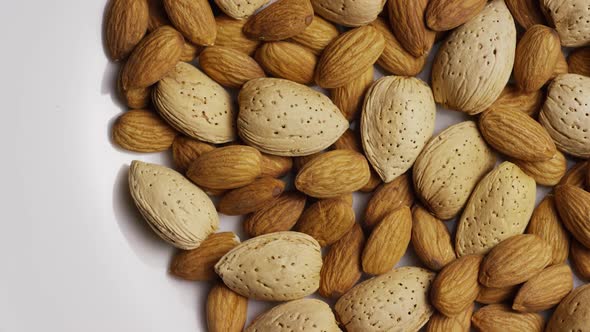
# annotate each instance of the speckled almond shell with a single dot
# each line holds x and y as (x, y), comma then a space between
(566, 114)
(299, 315)
(196, 105)
(474, 64)
(571, 19)
(284, 118)
(278, 266)
(395, 301)
(500, 206)
(449, 167)
(397, 121)
(239, 9)
(177, 210)
(350, 13)
(573, 313)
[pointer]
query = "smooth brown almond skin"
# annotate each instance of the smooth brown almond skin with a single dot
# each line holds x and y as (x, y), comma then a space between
(185, 150)
(230, 35)
(546, 224)
(287, 60)
(458, 323)
(317, 35)
(516, 135)
(579, 61)
(526, 12)
(455, 287)
(142, 131)
(388, 242)
(226, 311)
(276, 216)
(513, 98)
(251, 197)
(561, 67)
(443, 15)
(126, 22)
(349, 97)
(194, 18)
(545, 290)
(580, 257)
(515, 260)
(573, 204)
(537, 53)
(152, 58)
(546, 173)
(342, 268)
(500, 318)
(229, 67)
(134, 98)
(388, 198)
(348, 56)
(327, 220)
(431, 239)
(576, 176)
(276, 166)
(491, 295)
(281, 20)
(158, 16)
(197, 264)
(408, 24)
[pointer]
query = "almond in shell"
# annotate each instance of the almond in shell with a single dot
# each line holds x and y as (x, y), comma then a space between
(298, 315)
(239, 9)
(571, 19)
(350, 13)
(573, 313)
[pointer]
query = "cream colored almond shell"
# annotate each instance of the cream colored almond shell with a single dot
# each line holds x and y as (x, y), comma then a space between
(284, 118)
(571, 19)
(395, 301)
(240, 9)
(573, 313)
(297, 315)
(176, 209)
(566, 114)
(196, 105)
(278, 266)
(397, 121)
(350, 13)
(474, 63)
(500, 206)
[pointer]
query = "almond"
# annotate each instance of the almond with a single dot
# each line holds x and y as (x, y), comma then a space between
(407, 22)
(226, 168)
(342, 267)
(226, 310)
(526, 12)
(229, 67)
(317, 35)
(573, 204)
(431, 239)
(514, 261)
(230, 35)
(536, 55)
(348, 56)
(276, 166)
(349, 97)
(158, 16)
(575, 176)
(580, 257)
(547, 172)
(350, 13)
(126, 23)
(197, 264)
(513, 98)
(571, 20)
(561, 67)
(333, 174)
(546, 224)
(443, 15)
(373, 183)
(281, 20)
(298, 315)
(388, 198)
(545, 290)
(134, 98)
(185, 150)
(287, 60)
(500, 318)
(388, 242)
(299, 162)
(458, 323)
(251, 197)
(516, 134)
(491, 295)
(190, 52)
(579, 61)
(573, 313)
(194, 18)
(238, 9)
(327, 220)
(142, 131)
(276, 216)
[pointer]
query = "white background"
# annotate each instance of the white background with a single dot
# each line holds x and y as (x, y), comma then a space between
(74, 253)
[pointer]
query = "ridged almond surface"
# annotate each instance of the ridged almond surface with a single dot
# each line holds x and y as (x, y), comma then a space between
(431, 239)
(561, 67)
(349, 97)
(445, 188)
(190, 52)
(134, 98)
(388, 242)
(458, 323)
(526, 12)
(185, 150)
(350, 13)
(230, 35)
(287, 60)
(388, 198)
(573, 204)
(500, 318)
(545, 290)
(580, 258)
(512, 98)
(152, 58)
(491, 295)
(226, 310)
(348, 56)
(573, 313)
(536, 55)
(239, 9)
(194, 18)
(514, 261)
(516, 134)
(276, 166)
(317, 35)
(229, 67)
(546, 173)
(142, 131)
(575, 176)
(326, 220)
(579, 61)
(298, 315)
(443, 15)
(228, 167)
(158, 16)
(408, 24)
(198, 264)
(342, 267)
(281, 20)
(126, 23)
(571, 19)
(469, 72)
(333, 174)
(546, 224)
(277, 216)
(251, 197)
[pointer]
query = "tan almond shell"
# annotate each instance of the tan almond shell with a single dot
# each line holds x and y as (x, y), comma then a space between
(501, 318)
(571, 19)
(546, 223)
(177, 210)
(273, 267)
(431, 239)
(239, 9)
(545, 290)
(317, 35)
(499, 207)
(445, 188)
(573, 313)
(469, 72)
(396, 123)
(395, 301)
(298, 315)
(284, 118)
(350, 13)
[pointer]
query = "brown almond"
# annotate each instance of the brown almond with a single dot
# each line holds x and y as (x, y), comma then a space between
(134, 98)
(545, 290)
(576, 176)
(561, 67)
(579, 61)
(326, 220)
(230, 35)
(197, 264)
(458, 323)
(299, 162)
(126, 22)
(276, 166)
(189, 52)
(349, 97)
(252, 197)
(388, 242)
(276, 216)
(226, 311)
(546, 224)
(281, 20)
(142, 131)
(317, 35)
(491, 295)
(526, 12)
(443, 15)
(229, 67)
(573, 204)
(374, 182)
(158, 16)
(500, 318)
(408, 24)
(342, 268)
(194, 18)
(388, 198)
(185, 150)
(537, 53)
(514, 98)
(546, 173)
(431, 239)
(287, 60)
(580, 256)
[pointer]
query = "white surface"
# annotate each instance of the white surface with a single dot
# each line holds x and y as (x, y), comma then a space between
(75, 254)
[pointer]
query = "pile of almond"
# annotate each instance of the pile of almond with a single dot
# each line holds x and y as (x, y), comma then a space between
(230, 95)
